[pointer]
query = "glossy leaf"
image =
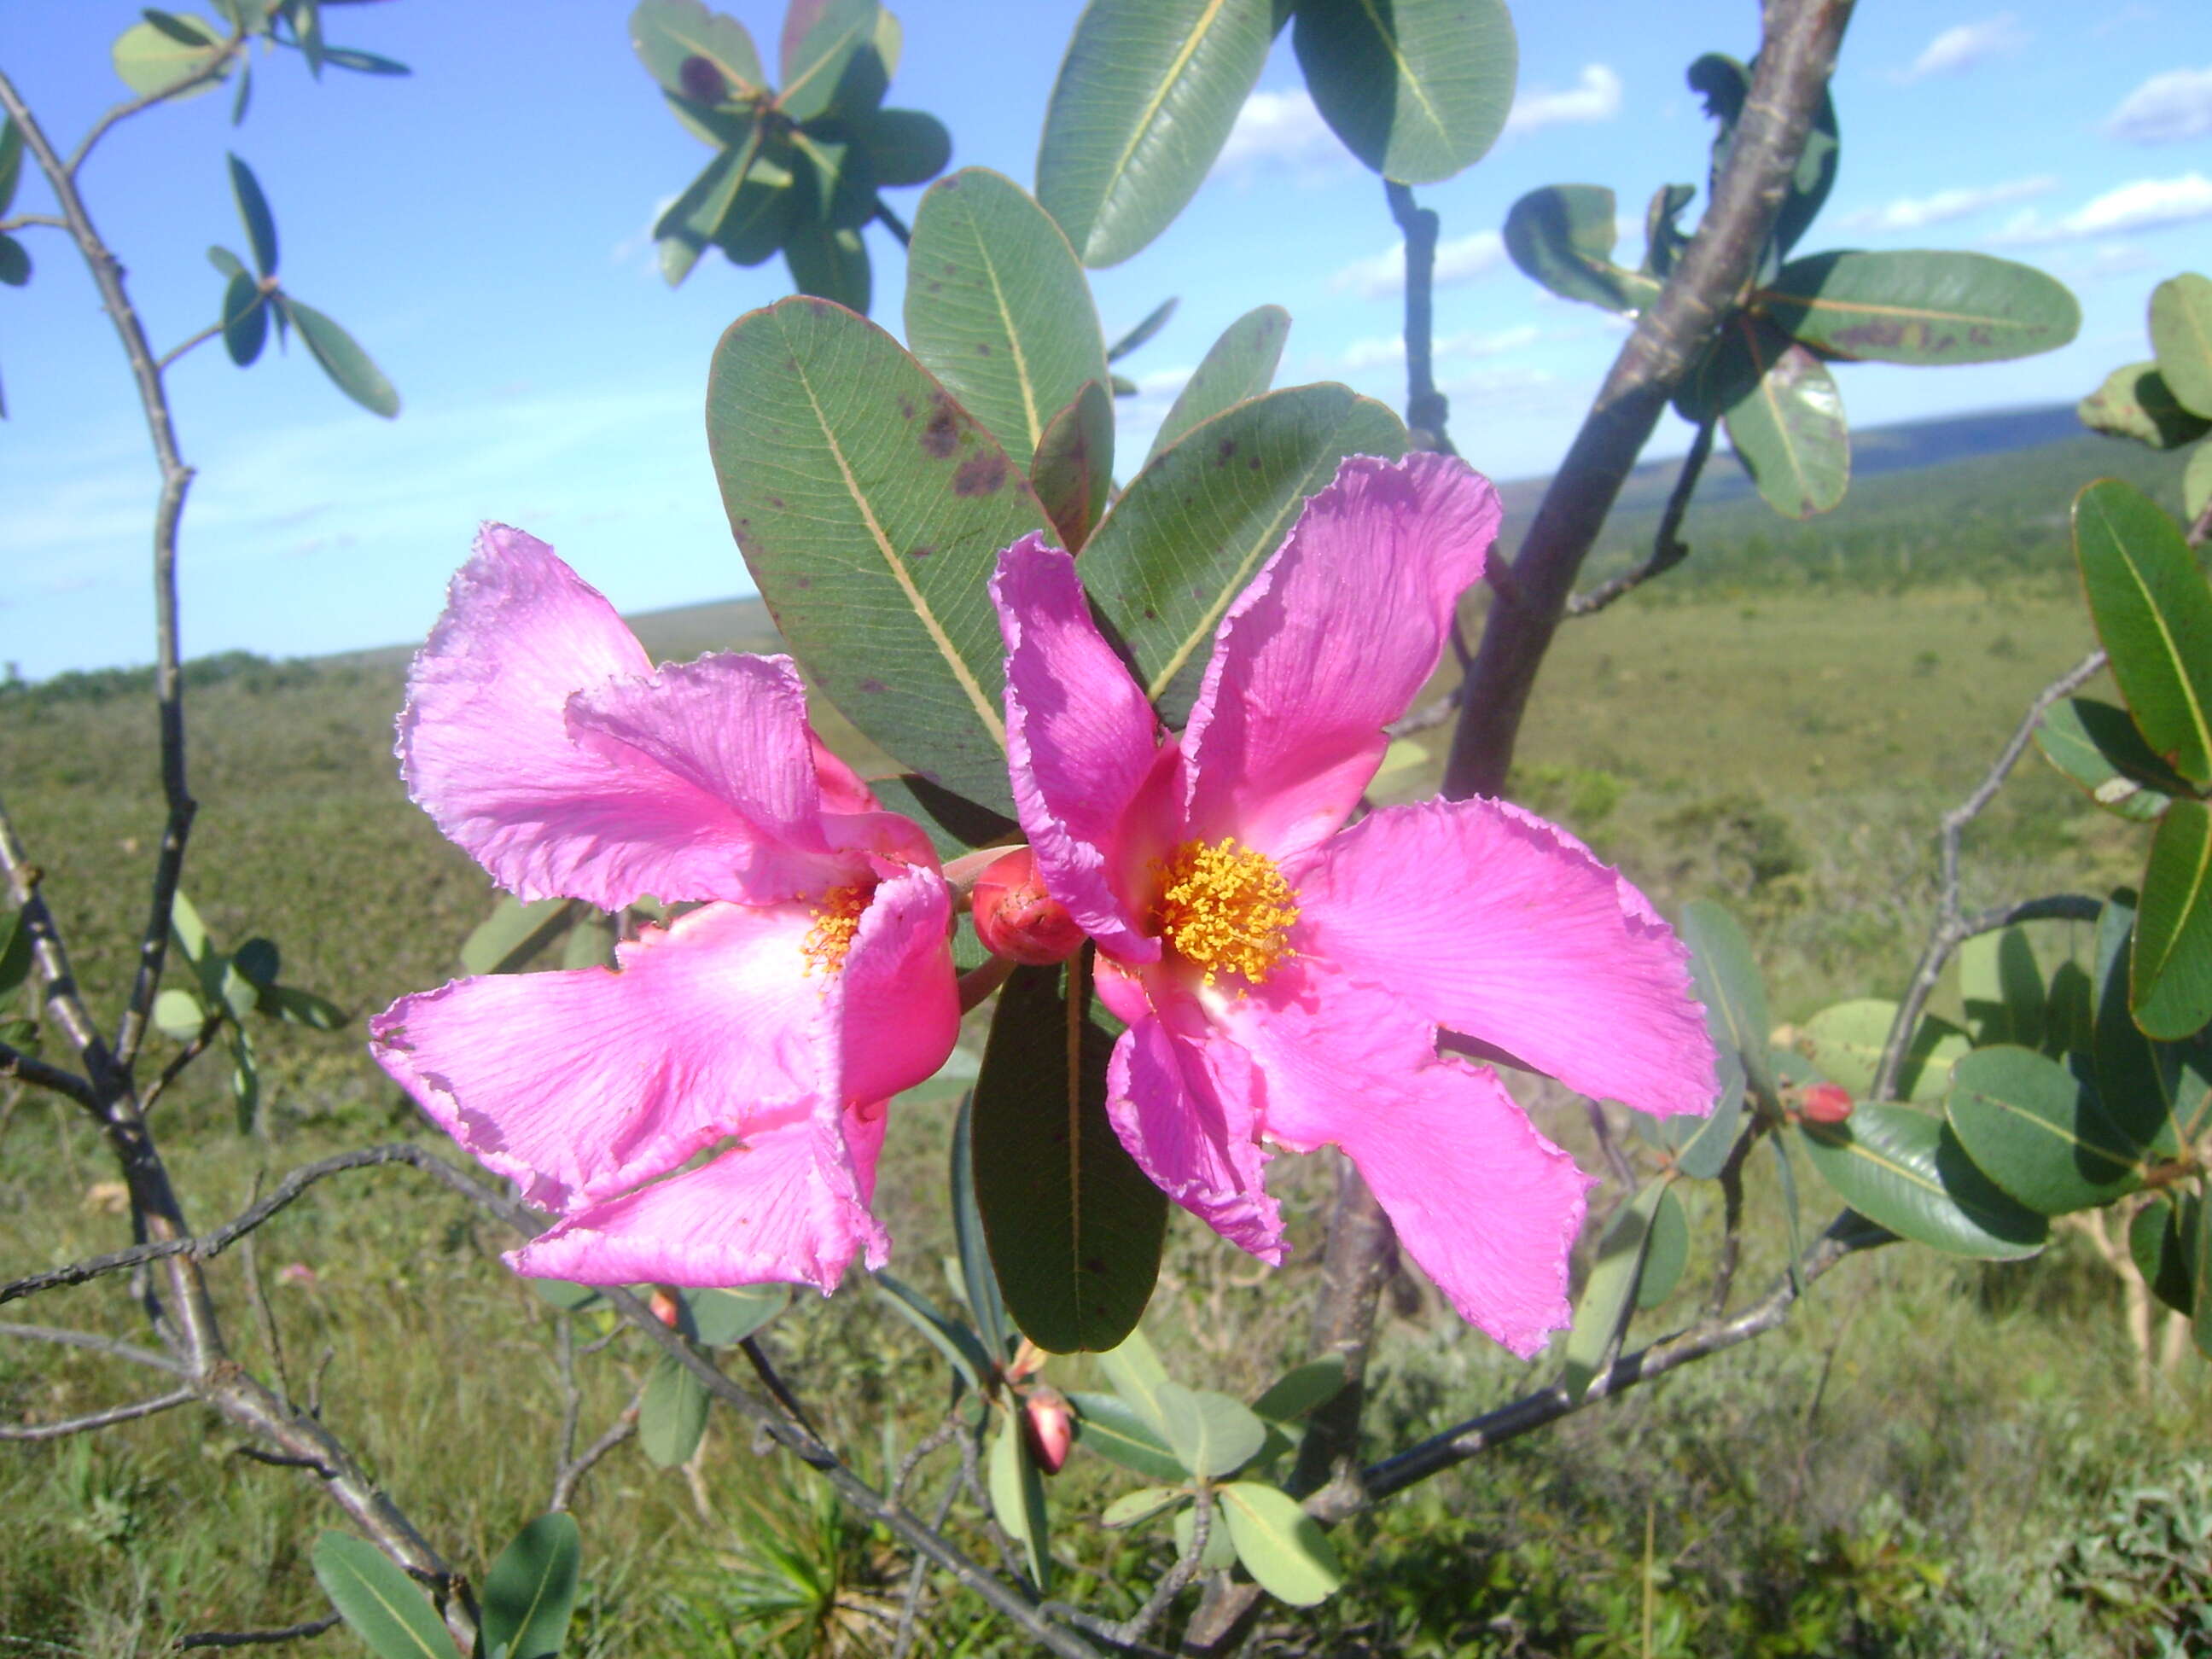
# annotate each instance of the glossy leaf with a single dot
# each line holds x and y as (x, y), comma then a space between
(1142, 1505)
(830, 264)
(1788, 429)
(905, 146)
(1241, 364)
(2097, 745)
(2181, 335)
(1211, 1434)
(952, 1339)
(1075, 1227)
(151, 59)
(1562, 237)
(722, 1319)
(979, 1284)
(2043, 1135)
(2136, 402)
(1845, 1043)
(1417, 89)
(1152, 322)
(2171, 981)
(1608, 1296)
(1281, 1545)
(1017, 1500)
(1301, 1389)
(839, 45)
(530, 1593)
(1072, 470)
(1727, 982)
(695, 53)
(1144, 102)
(2163, 1240)
(872, 531)
(1201, 518)
(2127, 1065)
(671, 1418)
(2002, 987)
(2154, 613)
(342, 359)
(694, 219)
(253, 209)
(997, 307)
(1116, 1430)
(245, 319)
(505, 941)
(378, 1601)
(1920, 307)
(1904, 1170)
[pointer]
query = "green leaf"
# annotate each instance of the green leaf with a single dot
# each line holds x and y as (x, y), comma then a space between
(1219, 1554)
(1154, 320)
(1301, 1389)
(2002, 988)
(1663, 240)
(837, 52)
(253, 209)
(1075, 1227)
(1144, 102)
(722, 1319)
(1562, 237)
(151, 60)
(1701, 1146)
(2127, 1065)
(671, 1418)
(1017, 1500)
(1608, 1298)
(15, 263)
(15, 958)
(997, 307)
(953, 1340)
(2181, 335)
(2170, 987)
(1665, 1252)
(1138, 1377)
(1112, 1427)
(1201, 518)
(695, 219)
(11, 161)
(226, 262)
(1142, 1505)
(830, 264)
(2200, 1301)
(2163, 1240)
(177, 1013)
(378, 1601)
(1789, 430)
(1920, 307)
(342, 358)
(590, 944)
(2196, 482)
(979, 1283)
(245, 319)
(531, 1591)
(696, 53)
(1904, 1170)
(905, 146)
(1729, 984)
(2097, 745)
(259, 960)
(569, 1298)
(1281, 1545)
(1241, 364)
(2043, 1135)
(2136, 402)
(752, 232)
(1845, 1043)
(1724, 82)
(1418, 89)
(515, 933)
(873, 534)
(2153, 615)
(1211, 1434)
(245, 1081)
(1072, 470)
(363, 63)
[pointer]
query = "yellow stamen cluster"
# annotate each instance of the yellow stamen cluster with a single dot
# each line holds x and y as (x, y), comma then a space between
(1223, 908)
(837, 918)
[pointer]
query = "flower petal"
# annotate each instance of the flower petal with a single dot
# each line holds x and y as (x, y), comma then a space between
(1330, 643)
(899, 1000)
(1081, 740)
(759, 1211)
(1183, 1105)
(578, 1085)
(1491, 921)
(1487, 1207)
(539, 738)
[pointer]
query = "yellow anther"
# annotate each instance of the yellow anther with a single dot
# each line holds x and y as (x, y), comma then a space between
(837, 918)
(1223, 908)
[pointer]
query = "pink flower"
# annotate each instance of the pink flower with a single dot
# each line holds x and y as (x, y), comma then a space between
(768, 1026)
(1285, 978)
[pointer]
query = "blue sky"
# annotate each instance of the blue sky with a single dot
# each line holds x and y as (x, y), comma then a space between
(481, 227)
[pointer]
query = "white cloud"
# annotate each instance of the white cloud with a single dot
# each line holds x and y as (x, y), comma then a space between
(1460, 260)
(1381, 349)
(1280, 129)
(2164, 109)
(1595, 96)
(1374, 352)
(2145, 204)
(1962, 47)
(1917, 212)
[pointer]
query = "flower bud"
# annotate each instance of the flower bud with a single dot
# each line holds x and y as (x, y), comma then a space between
(1016, 919)
(666, 1307)
(1048, 1426)
(1825, 1102)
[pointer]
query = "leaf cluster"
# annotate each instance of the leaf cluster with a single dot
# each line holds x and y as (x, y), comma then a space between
(2166, 402)
(529, 1596)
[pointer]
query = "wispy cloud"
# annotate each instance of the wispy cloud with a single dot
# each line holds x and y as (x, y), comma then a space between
(2164, 109)
(1595, 96)
(2145, 204)
(1280, 131)
(1460, 260)
(1381, 349)
(1966, 45)
(1917, 212)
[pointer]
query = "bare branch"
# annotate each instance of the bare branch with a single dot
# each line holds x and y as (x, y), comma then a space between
(1426, 408)
(15, 1063)
(25, 221)
(178, 350)
(1668, 547)
(571, 1474)
(213, 70)
(90, 1420)
(185, 1056)
(1177, 1577)
(95, 1343)
(249, 1638)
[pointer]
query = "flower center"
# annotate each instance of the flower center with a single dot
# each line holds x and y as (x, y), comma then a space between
(1225, 908)
(837, 918)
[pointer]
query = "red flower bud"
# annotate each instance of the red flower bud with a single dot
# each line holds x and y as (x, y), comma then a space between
(1048, 1426)
(664, 1306)
(1825, 1102)
(1016, 919)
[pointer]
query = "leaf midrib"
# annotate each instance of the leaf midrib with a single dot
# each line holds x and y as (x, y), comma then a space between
(1142, 124)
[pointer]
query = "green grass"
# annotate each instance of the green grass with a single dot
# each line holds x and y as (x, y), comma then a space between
(1900, 1470)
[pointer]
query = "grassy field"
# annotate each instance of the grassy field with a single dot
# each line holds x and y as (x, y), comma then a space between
(1899, 1471)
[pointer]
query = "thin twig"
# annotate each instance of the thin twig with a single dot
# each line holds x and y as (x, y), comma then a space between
(69, 1425)
(95, 1343)
(1668, 547)
(1427, 409)
(1174, 1581)
(197, 1046)
(15, 1063)
(893, 224)
(183, 346)
(213, 70)
(264, 1317)
(25, 221)
(1624, 1172)
(571, 1474)
(249, 1638)
(911, 1604)
(1731, 1250)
